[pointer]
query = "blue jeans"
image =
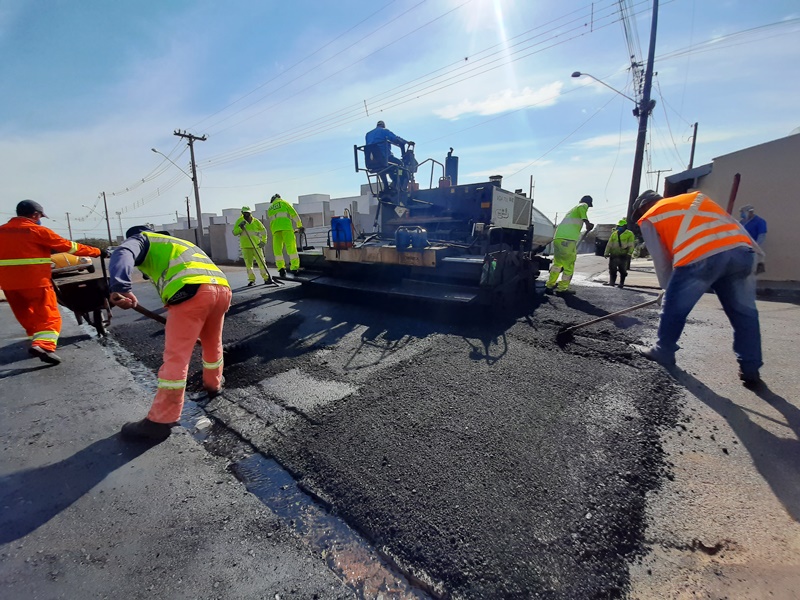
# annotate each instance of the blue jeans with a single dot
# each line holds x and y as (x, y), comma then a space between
(732, 277)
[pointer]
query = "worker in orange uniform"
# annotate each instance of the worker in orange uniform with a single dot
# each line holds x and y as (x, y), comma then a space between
(696, 247)
(197, 296)
(25, 276)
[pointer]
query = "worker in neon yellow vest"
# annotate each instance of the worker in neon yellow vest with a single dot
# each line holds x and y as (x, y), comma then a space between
(283, 220)
(565, 246)
(252, 236)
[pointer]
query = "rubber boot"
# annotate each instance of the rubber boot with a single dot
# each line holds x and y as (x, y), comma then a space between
(251, 283)
(281, 272)
(146, 430)
(612, 279)
(621, 281)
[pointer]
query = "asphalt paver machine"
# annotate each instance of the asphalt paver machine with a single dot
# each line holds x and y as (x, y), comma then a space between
(470, 244)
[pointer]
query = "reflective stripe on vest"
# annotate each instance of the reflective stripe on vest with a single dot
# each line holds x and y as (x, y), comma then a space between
(571, 224)
(12, 262)
(172, 263)
(717, 231)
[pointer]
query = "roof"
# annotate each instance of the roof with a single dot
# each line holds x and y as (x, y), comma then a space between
(700, 171)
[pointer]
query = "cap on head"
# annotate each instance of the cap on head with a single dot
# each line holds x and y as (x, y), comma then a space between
(622, 222)
(274, 197)
(748, 208)
(381, 124)
(27, 207)
(136, 229)
(643, 202)
(246, 209)
(587, 200)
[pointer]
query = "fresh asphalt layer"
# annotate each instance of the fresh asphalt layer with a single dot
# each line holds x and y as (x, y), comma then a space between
(482, 457)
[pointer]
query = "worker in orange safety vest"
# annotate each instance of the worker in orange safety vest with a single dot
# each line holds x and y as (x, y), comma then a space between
(25, 276)
(696, 247)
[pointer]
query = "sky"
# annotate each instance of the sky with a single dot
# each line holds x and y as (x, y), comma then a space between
(282, 91)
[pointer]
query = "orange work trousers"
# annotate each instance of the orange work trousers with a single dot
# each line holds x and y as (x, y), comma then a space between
(36, 309)
(199, 317)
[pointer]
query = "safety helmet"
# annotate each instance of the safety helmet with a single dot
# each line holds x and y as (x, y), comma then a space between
(644, 201)
(381, 124)
(748, 208)
(28, 207)
(246, 209)
(136, 229)
(587, 200)
(274, 197)
(622, 222)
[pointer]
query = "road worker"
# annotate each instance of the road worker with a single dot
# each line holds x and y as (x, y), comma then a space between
(565, 246)
(252, 237)
(25, 276)
(196, 295)
(696, 247)
(619, 251)
(283, 219)
(385, 139)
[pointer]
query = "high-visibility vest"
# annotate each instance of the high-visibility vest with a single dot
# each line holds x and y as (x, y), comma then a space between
(256, 230)
(620, 245)
(571, 224)
(25, 248)
(281, 214)
(692, 226)
(172, 263)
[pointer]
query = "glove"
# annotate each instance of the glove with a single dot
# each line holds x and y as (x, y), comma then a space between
(104, 253)
(301, 229)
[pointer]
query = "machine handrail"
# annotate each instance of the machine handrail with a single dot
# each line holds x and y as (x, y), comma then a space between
(431, 160)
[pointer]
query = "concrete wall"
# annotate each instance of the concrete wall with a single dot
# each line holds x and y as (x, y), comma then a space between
(770, 181)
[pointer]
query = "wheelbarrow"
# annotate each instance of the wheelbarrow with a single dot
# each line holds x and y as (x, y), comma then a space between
(88, 299)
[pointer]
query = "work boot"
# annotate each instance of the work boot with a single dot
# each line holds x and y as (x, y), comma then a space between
(750, 380)
(621, 282)
(656, 355)
(214, 393)
(47, 356)
(281, 272)
(145, 430)
(251, 283)
(568, 291)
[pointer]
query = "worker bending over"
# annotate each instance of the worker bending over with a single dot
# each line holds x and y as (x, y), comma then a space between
(252, 236)
(283, 219)
(619, 251)
(26, 280)
(197, 296)
(696, 247)
(565, 245)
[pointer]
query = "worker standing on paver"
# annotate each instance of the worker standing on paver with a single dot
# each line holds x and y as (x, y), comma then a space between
(197, 296)
(619, 251)
(252, 236)
(565, 246)
(696, 246)
(283, 219)
(26, 280)
(385, 139)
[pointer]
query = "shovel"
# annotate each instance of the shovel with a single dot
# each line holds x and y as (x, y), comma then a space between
(565, 334)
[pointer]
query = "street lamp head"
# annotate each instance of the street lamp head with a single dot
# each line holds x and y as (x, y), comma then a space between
(154, 150)
(577, 74)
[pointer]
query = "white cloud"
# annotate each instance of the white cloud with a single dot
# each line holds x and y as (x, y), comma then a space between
(504, 101)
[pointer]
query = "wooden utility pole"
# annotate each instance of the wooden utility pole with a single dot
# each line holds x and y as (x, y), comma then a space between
(189, 219)
(192, 139)
(108, 223)
(658, 177)
(69, 226)
(694, 142)
(643, 109)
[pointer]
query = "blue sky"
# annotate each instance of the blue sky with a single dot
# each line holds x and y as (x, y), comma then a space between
(280, 89)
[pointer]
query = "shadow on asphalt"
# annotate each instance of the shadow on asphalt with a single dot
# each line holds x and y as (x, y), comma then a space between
(776, 458)
(34, 496)
(18, 352)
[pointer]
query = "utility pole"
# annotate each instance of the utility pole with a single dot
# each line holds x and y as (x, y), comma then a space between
(192, 138)
(108, 223)
(658, 177)
(69, 226)
(531, 190)
(642, 112)
(189, 218)
(119, 217)
(694, 142)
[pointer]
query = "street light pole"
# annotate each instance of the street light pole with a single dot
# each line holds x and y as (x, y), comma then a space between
(641, 112)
